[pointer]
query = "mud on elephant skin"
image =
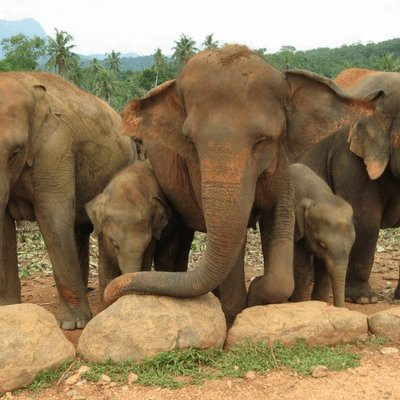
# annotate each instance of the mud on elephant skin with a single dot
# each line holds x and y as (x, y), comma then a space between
(324, 235)
(131, 218)
(59, 146)
(217, 138)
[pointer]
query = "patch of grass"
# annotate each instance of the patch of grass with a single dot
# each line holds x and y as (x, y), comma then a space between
(46, 378)
(372, 341)
(199, 242)
(168, 368)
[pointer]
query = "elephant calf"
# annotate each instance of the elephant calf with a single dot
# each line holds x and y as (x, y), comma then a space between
(324, 235)
(128, 216)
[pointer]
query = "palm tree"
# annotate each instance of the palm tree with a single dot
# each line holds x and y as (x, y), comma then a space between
(184, 48)
(209, 43)
(113, 61)
(75, 72)
(59, 51)
(159, 64)
(104, 85)
(388, 62)
(94, 66)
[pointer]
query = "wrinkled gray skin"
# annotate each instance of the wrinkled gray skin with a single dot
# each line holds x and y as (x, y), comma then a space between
(324, 235)
(59, 146)
(130, 216)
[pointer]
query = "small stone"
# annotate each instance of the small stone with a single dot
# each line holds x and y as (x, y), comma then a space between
(389, 350)
(132, 378)
(236, 368)
(351, 371)
(71, 393)
(105, 378)
(112, 384)
(9, 395)
(124, 388)
(229, 385)
(78, 397)
(319, 371)
(73, 379)
(250, 375)
(83, 369)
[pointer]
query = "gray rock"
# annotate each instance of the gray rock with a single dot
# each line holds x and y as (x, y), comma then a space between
(140, 326)
(315, 321)
(386, 323)
(30, 341)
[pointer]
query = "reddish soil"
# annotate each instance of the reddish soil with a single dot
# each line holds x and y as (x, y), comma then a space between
(377, 377)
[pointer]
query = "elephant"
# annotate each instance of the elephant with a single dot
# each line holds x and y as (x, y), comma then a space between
(324, 235)
(376, 141)
(59, 147)
(218, 138)
(130, 217)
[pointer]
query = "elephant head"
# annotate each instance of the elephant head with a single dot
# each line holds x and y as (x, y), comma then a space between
(127, 222)
(231, 114)
(26, 123)
(328, 232)
(376, 138)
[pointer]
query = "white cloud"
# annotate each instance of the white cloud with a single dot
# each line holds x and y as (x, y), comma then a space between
(143, 25)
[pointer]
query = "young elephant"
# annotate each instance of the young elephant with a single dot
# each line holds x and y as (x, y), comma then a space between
(324, 229)
(127, 216)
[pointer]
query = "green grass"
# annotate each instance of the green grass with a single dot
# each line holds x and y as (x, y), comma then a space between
(46, 378)
(197, 366)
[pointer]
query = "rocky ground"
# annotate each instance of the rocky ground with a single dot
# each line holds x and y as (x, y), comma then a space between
(377, 377)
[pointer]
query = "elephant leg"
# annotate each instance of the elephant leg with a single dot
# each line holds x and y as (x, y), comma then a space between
(148, 256)
(174, 249)
(55, 215)
(302, 264)
(397, 290)
(108, 267)
(10, 285)
(232, 292)
(361, 261)
(322, 282)
(82, 245)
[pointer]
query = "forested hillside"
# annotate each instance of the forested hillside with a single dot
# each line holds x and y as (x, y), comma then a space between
(117, 79)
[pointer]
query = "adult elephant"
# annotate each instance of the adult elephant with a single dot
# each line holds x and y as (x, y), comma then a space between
(59, 147)
(216, 140)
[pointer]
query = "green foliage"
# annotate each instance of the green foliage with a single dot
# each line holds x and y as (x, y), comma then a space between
(113, 61)
(184, 48)
(21, 53)
(209, 43)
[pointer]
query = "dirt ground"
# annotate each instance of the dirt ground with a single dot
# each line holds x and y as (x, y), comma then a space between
(377, 377)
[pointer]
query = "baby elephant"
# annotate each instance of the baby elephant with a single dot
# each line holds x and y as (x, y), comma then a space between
(324, 235)
(127, 216)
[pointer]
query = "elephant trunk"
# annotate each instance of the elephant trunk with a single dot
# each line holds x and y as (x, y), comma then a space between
(227, 193)
(337, 272)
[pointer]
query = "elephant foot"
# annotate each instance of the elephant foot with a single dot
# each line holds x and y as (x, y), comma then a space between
(360, 293)
(8, 300)
(263, 291)
(73, 318)
(397, 292)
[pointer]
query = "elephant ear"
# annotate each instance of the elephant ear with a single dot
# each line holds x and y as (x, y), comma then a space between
(301, 212)
(43, 122)
(317, 107)
(161, 216)
(95, 211)
(158, 117)
(370, 140)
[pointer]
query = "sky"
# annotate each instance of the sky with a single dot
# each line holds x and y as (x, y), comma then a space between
(141, 26)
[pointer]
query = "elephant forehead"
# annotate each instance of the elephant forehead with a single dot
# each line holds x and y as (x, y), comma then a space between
(14, 94)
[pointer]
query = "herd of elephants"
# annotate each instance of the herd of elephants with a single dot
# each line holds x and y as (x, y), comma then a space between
(230, 143)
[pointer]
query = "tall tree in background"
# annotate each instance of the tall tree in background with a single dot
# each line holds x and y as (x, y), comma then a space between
(59, 51)
(21, 53)
(184, 48)
(388, 62)
(105, 84)
(209, 43)
(94, 66)
(113, 61)
(159, 64)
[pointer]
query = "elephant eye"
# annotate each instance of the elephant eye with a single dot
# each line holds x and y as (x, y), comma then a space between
(322, 244)
(261, 141)
(15, 152)
(115, 244)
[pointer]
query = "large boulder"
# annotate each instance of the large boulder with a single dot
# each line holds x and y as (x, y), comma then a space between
(30, 341)
(386, 323)
(140, 326)
(314, 321)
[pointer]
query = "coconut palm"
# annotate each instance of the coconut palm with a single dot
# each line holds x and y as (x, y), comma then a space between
(113, 61)
(184, 48)
(209, 43)
(94, 66)
(159, 64)
(59, 51)
(105, 84)
(388, 62)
